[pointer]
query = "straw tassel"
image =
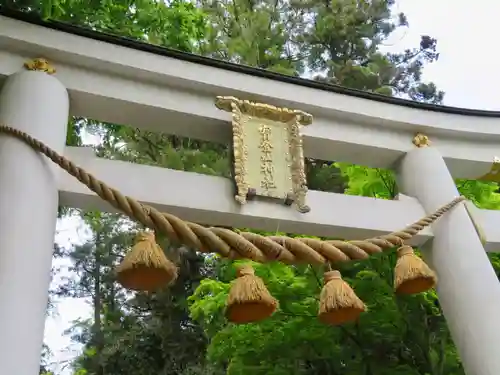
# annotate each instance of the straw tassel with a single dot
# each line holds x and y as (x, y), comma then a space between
(412, 275)
(338, 302)
(146, 267)
(249, 300)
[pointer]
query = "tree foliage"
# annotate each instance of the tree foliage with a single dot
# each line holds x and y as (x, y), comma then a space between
(397, 336)
(182, 330)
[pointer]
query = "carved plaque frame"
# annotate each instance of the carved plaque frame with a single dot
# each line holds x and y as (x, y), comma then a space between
(267, 142)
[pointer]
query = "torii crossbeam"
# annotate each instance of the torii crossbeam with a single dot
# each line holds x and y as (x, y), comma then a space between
(174, 93)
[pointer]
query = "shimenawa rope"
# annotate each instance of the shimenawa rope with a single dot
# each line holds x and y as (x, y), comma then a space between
(228, 243)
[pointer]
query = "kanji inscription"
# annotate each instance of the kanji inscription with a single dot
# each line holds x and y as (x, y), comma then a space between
(267, 149)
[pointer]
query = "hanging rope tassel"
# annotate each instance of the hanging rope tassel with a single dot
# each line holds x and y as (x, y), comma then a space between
(412, 275)
(338, 303)
(146, 267)
(249, 300)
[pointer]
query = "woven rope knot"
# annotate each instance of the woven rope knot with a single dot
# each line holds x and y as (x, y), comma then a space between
(245, 271)
(332, 275)
(145, 236)
(404, 250)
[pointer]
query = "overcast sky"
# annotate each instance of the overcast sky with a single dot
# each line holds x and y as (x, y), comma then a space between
(467, 71)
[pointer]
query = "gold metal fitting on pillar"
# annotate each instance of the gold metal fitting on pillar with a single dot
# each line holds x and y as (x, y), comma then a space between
(421, 140)
(40, 65)
(494, 174)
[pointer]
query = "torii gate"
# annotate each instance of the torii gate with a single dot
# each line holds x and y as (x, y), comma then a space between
(115, 80)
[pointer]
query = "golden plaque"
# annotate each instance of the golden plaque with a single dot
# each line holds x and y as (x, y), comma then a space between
(267, 151)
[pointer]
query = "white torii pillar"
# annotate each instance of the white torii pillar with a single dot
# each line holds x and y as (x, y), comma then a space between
(468, 288)
(36, 103)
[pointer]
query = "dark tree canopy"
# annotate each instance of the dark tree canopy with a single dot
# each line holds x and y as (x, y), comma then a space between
(182, 330)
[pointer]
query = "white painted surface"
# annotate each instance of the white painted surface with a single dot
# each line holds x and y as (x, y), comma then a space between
(179, 193)
(468, 288)
(37, 104)
(489, 220)
(210, 200)
(125, 86)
